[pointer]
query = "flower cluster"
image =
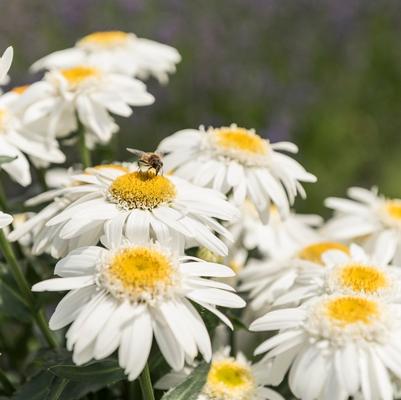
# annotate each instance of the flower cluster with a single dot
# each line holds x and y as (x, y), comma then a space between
(153, 252)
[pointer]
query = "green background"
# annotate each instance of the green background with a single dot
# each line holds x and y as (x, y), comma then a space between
(324, 74)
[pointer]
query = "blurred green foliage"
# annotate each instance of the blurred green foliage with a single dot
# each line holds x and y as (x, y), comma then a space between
(326, 75)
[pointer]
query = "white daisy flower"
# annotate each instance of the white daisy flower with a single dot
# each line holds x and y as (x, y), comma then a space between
(335, 347)
(138, 204)
(5, 219)
(122, 295)
(87, 92)
(269, 279)
(353, 273)
(281, 233)
(229, 378)
(119, 52)
(367, 217)
(238, 161)
(17, 138)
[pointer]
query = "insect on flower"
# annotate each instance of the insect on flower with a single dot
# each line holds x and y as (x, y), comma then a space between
(148, 161)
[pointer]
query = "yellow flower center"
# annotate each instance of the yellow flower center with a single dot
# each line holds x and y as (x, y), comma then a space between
(138, 273)
(20, 89)
(363, 278)
(142, 190)
(314, 252)
(105, 39)
(229, 379)
(234, 138)
(393, 209)
(350, 310)
(77, 75)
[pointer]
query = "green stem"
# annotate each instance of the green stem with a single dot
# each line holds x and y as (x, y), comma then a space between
(58, 391)
(233, 344)
(15, 267)
(146, 384)
(3, 199)
(43, 325)
(83, 149)
(8, 387)
(131, 390)
(25, 289)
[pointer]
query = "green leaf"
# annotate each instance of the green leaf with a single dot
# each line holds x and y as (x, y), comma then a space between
(11, 302)
(48, 358)
(7, 159)
(104, 371)
(37, 388)
(77, 390)
(62, 380)
(191, 387)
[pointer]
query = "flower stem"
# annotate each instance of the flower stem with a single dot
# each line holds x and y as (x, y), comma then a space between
(25, 289)
(44, 328)
(146, 384)
(131, 390)
(3, 199)
(83, 149)
(8, 387)
(233, 343)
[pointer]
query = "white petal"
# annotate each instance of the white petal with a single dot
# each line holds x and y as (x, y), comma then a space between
(217, 297)
(137, 226)
(59, 284)
(114, 231)
(276, 340)
(168, 344)
(385, 247)
(70, 307)
(345, 361)
(5, 219)
(5, 62)
(93, 324)
(278, 319)
(177, 325)
(135, 345)
(109, 338)
(79, 262)
(198, 329)
(204, 268)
